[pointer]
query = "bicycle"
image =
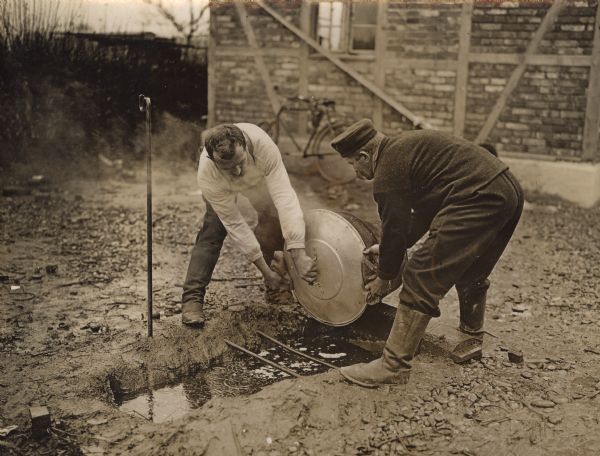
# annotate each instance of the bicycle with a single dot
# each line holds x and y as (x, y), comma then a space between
(331, 166)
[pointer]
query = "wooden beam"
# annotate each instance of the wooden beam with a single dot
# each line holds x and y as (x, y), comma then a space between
(211, 81)
(592, 110)
(535, 59)
(387, 98)
(305, 16)
(258, 58)
(517, 73)
(539, 157)
(462, 72)
(247, 50)
(379, 67)
(420, 64)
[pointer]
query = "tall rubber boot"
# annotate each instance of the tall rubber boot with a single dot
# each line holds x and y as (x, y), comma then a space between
(472, 299)
(394, 365)
(191, 311)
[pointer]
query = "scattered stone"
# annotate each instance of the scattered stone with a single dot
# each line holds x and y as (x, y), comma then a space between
(526, 375)
(515, 356)
(520, 308)
(37, 180)
(5, 432)
(542, 403)
(40, 421)
(51, 268)
(94, 326)
(555, 419)
(408, 414)
(558, 399)
(236, 308)
(156, 315)
(97, 421)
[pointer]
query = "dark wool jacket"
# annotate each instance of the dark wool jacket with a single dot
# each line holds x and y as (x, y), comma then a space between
(423, 171)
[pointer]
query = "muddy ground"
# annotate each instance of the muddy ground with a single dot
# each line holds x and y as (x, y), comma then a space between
(74, 333)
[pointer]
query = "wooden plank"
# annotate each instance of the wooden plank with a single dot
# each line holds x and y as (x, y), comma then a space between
(539, 157)
(258, 58)
(247, 50)
(462, 71)
(517, 73)
(420, 64)
(211, 81)
(592, 110)
(387, 98)
(534, 59)
(305, 10)
(379, 67)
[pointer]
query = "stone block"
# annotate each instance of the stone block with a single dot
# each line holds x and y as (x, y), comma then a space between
(40, 421)
(446, 340)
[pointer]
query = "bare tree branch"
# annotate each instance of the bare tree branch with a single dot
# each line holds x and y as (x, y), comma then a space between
(187, 29)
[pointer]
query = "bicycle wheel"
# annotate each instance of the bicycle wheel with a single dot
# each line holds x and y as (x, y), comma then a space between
(271, 127)
(330, 164)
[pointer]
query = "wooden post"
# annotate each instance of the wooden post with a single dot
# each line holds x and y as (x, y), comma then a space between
(379, 69)
(258, 58)
(462, 68)
(303, 58)
(592, 110)
(517, 73)
(210, 74)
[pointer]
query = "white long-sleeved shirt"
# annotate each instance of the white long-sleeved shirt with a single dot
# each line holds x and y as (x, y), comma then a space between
(266, 166)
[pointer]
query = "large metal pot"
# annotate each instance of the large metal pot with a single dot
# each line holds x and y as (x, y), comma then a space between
(337, 241)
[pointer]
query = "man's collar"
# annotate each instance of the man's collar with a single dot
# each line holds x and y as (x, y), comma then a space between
(249, 145)
(377, 152)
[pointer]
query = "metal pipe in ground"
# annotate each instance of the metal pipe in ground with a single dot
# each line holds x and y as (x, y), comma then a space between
(145, 105)
(264, 360)
(297, 352)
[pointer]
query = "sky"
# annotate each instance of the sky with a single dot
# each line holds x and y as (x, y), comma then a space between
(130, 16)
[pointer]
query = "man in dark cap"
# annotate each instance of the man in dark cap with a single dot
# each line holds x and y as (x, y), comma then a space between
(469, 202)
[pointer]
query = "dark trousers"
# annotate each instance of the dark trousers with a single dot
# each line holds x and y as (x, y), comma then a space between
(466, 240)
(209, 241)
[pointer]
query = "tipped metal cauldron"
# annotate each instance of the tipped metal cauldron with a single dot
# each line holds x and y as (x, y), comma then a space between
(337, 241)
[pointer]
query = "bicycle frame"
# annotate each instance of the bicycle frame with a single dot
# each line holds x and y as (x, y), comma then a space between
(318, 110)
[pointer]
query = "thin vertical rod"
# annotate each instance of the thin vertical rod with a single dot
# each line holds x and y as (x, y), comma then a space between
(146, 105)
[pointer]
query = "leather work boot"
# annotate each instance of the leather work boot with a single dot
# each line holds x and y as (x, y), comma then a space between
(394, 365)
(471, 300)
(192, 314)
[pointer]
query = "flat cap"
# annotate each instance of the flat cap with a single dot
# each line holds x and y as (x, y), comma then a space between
(354, 137)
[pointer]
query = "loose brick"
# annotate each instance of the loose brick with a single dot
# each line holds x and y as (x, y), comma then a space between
(40, 421)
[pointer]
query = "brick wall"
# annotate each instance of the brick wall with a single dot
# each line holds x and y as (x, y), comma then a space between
(423, 30)
(544, 114)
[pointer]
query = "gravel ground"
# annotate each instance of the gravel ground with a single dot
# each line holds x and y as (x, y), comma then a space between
(76, 250)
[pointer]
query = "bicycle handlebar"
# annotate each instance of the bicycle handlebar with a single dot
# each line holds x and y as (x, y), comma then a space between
(316, 101)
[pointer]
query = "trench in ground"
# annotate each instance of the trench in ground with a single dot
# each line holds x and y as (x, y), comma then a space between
(239, 374)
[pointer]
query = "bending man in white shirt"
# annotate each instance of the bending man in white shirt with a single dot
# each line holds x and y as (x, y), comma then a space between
(242, 159)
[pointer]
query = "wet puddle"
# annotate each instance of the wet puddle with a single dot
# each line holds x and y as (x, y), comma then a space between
(241, 374)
